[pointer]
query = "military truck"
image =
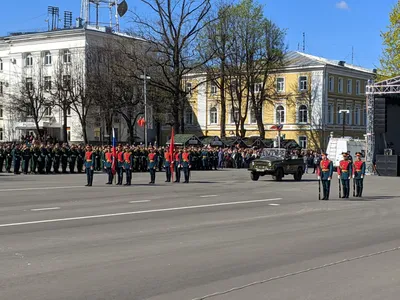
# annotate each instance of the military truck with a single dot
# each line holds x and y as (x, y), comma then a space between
(278, 163)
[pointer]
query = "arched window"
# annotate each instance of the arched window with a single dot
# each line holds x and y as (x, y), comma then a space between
(280, 114)
(47, 58)
(303, 114)
(253, 119)
(213, 115)
(28, 60)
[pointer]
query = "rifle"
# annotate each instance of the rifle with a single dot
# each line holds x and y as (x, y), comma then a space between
(354, 187)
(340, 189)
(319, 189)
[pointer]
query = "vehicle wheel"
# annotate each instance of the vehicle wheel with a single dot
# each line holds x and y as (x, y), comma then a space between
(299, 173)
(254, 176)
(278, 175)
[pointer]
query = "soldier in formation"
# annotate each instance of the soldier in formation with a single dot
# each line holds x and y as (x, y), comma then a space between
(325, 172)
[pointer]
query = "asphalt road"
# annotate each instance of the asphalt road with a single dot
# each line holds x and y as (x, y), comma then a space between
(220, 237)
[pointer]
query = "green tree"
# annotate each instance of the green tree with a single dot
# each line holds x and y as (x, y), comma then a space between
(390, 59)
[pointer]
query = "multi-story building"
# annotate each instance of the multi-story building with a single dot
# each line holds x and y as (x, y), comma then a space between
(26, 58)
(309, 93)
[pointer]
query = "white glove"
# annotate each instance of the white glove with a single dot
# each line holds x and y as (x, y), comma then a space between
(329, 178)
(338, 177)
(362, 176)
(319, 177)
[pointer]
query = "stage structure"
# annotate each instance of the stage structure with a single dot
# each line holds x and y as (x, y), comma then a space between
(116, 8)
(380, 95)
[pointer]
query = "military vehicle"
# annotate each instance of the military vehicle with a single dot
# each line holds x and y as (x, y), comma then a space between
(278, 163)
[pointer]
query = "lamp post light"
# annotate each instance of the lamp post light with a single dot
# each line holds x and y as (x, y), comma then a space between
(145, 78)
(344, 113)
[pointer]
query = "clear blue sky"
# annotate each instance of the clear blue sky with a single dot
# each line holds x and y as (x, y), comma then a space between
(332, 27)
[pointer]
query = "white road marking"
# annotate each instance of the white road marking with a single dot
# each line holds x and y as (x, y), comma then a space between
(139, 201)
(138, 212)
(208, 196)
(274, 204)
(43, 188)
(47, 208)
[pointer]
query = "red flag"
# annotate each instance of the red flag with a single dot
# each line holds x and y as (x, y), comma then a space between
(171, 152)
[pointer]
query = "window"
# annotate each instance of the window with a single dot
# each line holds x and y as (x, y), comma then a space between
(188, 87)
(29, 84)
(331, 83)
(29, 111)
(213, 88)
(280, 85)
(66, 57)
(357, 115)
(47, 83)
(1, 112)
(330, 113)
(280, 114)
(365, 116)
(1, 88)
(1, 65)
(253, 119)
(1, 134)
(28, 60)
(349, 119)
(303, 142)
(188, 118)
(340, 85)
(349, 86)
(234, 115)
(303, 83)
(358, 86)
(303, 114)
(47, 58)
(213, 115)
(47, 111)
(66, 81)
(257, 87)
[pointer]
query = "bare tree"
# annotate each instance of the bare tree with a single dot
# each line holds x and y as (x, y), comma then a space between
(171, 39)
(30, 101)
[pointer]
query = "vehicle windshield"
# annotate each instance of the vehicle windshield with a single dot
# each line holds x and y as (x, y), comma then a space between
(276, 152)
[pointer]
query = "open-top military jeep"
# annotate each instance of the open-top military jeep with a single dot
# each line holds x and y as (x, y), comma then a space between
(278, 163)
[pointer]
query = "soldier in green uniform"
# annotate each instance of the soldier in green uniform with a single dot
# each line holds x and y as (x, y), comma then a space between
(8, 158)
(35, 154)
(80, 158)
(345, 172)
(26, 157)
(17, 156)
(128, 163)
(152, 162)
(57, 158)
(325, 172)
(42, 159)
(2, 158)
(359, 174)
(89, 165)
(204, 159)
(49, 159)
(186, 164)
(178, 165)
(73, 154)
(64, 158)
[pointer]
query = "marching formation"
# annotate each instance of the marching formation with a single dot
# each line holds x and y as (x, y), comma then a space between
(346, 171)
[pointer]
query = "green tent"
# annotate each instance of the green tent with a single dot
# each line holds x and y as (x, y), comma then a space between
(186, 140)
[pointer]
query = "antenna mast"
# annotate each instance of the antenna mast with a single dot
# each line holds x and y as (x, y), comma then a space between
(120, 7)
(304, 42)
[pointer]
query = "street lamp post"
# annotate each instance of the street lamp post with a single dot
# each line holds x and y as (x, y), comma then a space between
(344, 112)
(145, 78)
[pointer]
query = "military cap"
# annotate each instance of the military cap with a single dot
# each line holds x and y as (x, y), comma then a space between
(324, 153)
(358, 154)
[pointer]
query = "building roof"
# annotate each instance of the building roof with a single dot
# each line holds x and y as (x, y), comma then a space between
(299, 59)
(183, 139)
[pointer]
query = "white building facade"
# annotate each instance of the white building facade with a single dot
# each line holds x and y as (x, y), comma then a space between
(32, 57)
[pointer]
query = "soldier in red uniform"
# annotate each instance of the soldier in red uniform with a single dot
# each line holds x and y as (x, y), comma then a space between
(152, 162)
(120, 165)
(345, 172)
(359, 174)
(108, 165)
(128, 165)
(325, 172)
(167, 164)
(89, 165)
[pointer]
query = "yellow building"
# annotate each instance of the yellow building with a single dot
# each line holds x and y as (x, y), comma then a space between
(309, 93)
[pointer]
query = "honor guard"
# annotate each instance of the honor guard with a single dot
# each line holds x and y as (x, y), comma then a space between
(108, 160)
(167, 164)
(89, 165)
(345, 172)
(128, 164)
(358, 174)
(152, 162)
(178, 165)
(186, 164)
(120, 165)
(325, 172)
